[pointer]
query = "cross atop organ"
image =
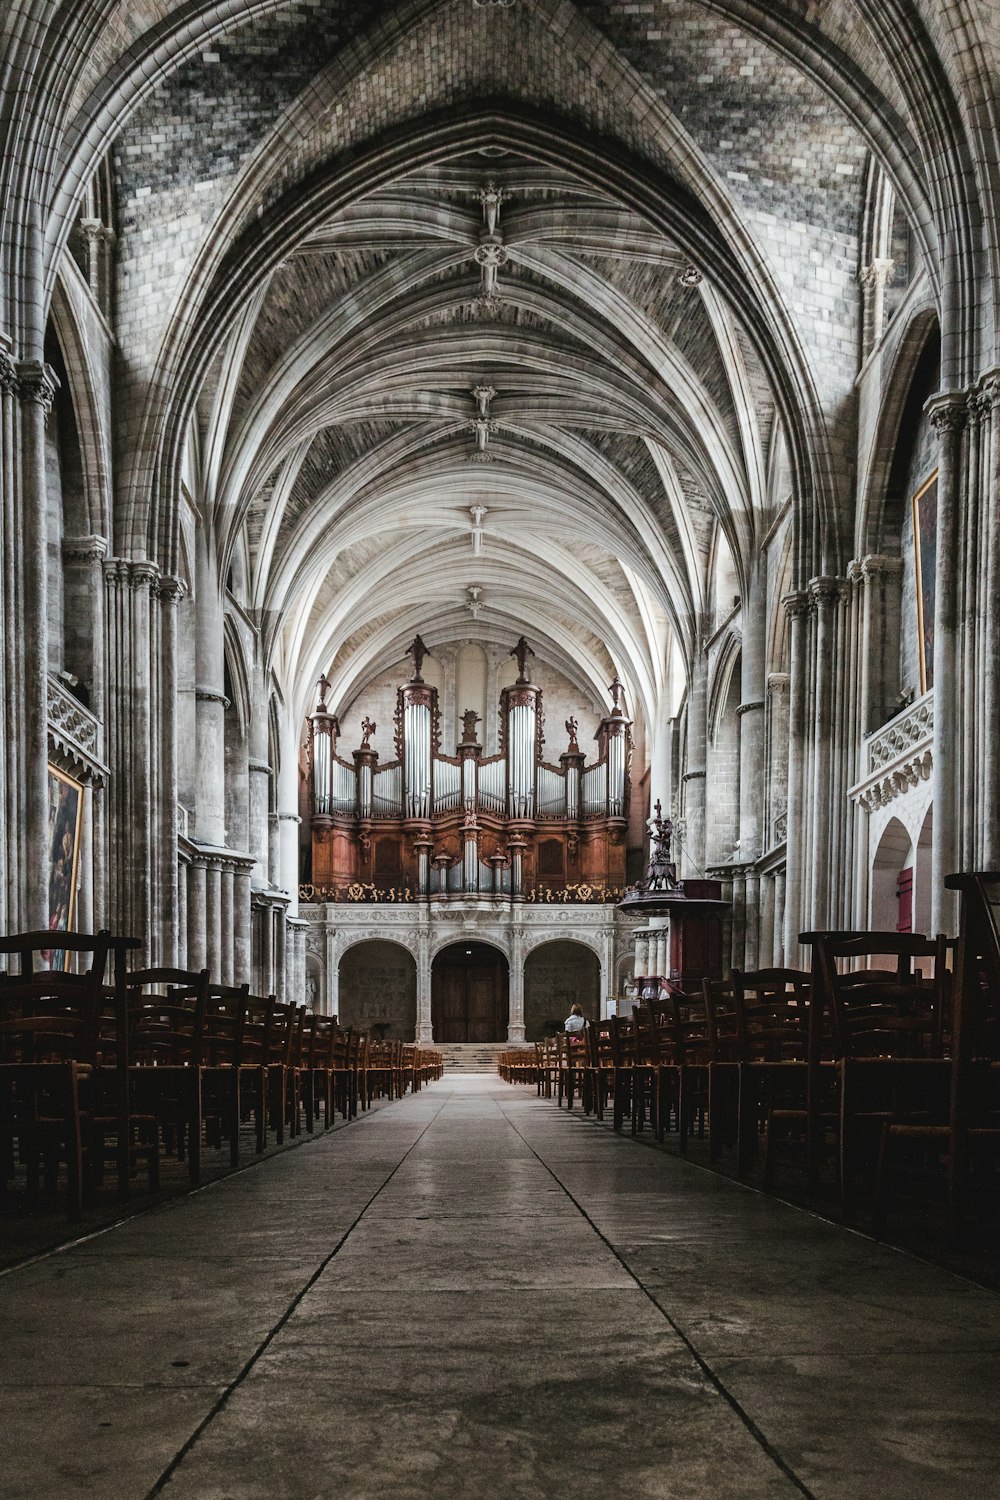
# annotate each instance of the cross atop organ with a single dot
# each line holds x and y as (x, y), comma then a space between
(506, 825)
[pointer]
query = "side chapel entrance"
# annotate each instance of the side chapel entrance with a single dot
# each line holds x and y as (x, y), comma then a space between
(469, 994)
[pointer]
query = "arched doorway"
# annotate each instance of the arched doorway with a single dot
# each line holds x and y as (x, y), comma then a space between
(469, 994)
(892, 881)
(378, 990)
(555, 975)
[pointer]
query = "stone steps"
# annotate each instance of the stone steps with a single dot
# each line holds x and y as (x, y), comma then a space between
(471, 1057)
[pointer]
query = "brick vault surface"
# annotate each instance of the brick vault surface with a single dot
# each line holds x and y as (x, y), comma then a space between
(470, 1293)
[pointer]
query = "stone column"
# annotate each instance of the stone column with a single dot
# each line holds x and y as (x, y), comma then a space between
(693, 850)
(11, 838)
(515, 1024)
(948, 416)
(165, 938)
(242, 942)
(879, 654)
(37, 385)
(425, 1032)
(130, 626)
(332, 967)
(226, 921)
(991, 635)
(213, 917)
(797, 609)
(197, 944)
(211, 703)
(826, 593)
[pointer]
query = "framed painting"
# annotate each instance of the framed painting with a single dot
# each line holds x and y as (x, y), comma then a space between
(65, 817)
(925, 567)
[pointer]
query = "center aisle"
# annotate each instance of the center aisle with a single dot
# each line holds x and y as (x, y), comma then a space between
(470, 1295)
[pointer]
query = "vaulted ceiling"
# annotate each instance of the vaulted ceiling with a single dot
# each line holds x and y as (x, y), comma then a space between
(314, 200)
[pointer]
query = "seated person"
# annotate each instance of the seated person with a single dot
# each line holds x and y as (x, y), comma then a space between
(575, 1021)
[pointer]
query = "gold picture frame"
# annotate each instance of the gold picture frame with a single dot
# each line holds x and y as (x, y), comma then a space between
(65, 823)
(925, 570)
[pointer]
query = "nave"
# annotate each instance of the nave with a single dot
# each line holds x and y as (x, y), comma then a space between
(470, 1293)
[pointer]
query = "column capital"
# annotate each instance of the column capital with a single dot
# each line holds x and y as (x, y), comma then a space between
(778, 682)
(947, 412)
(827, 590)
(37, 384)
(796, 604)
(878, 565)
(169, 589)
(8, 374)
(84, 548)
(878, 272)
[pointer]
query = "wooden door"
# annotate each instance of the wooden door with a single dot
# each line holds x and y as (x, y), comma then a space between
(469, 994)
(904, 895)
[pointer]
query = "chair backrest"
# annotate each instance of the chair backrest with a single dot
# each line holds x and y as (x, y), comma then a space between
(976, 995)
(720, 1015)
(772, 1011)
(877, 1002)
(692, 1028)
(166, 1016)
(225, 1022)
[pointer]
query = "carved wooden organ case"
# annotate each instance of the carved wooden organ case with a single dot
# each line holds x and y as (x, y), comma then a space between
(468, 824)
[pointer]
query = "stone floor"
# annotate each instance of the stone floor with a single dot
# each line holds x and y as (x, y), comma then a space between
(470, 1295)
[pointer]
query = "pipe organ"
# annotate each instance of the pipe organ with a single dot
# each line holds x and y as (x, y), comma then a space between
(429, 824)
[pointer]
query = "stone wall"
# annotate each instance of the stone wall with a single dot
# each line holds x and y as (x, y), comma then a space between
(556, 975)
(378, 986)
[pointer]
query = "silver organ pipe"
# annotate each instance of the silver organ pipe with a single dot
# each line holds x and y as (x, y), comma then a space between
(572, 791)
(551, 793)
(594, 790)
(387, 788)
(448, 790)
(469, 781)
(470, 872)
(365, 789)
(322, 760)
(344, 789)
(521, 739)
(417, 758)
(493, 784)
(616, 773)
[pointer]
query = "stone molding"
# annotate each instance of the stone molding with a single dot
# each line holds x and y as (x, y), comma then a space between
(914, 726)
(749, 708)
(210, 695)
(899, 755)
(75, 733)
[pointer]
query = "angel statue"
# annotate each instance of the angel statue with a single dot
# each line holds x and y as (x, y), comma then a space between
(368, 728)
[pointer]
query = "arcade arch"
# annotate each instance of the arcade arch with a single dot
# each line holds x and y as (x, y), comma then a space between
(558, 974)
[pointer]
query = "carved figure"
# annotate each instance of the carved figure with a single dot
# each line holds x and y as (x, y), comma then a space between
(571, 728)
(418, 651)
(662, 873)
(522, 651)
(469, 721)
(368, 728)
(617, 690)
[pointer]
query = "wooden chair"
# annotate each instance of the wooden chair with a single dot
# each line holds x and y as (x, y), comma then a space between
(960, 1124)
(861, 1018)
(166, 1021)
(772, 1011)
(224, 1069)
(724, 1065)
(63, 1062)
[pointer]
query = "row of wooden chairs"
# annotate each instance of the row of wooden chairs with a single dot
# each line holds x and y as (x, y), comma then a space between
(111, 1066)
(884, 1055)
